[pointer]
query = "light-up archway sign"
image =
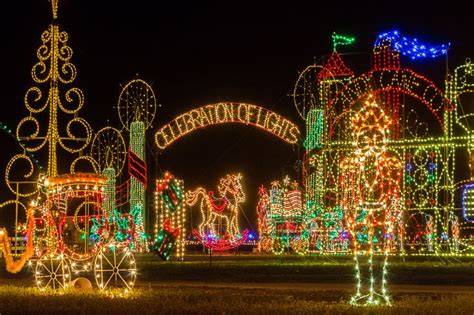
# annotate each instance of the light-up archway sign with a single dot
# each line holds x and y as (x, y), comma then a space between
(223, 113)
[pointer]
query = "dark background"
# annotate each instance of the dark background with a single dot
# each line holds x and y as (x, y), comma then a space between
(198, 53)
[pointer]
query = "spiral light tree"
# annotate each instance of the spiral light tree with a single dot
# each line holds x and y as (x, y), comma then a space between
(51, 96)
(136, 109)
(55, 73)
(66, 226)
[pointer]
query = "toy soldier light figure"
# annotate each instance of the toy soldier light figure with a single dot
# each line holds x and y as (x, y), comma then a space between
(370, 198)
(430, 234)
(455, 232)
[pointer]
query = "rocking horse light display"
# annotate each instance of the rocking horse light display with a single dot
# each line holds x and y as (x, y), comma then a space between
(219, 228)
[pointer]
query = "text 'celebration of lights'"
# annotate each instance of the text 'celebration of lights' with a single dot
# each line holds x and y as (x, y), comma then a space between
(227, 113)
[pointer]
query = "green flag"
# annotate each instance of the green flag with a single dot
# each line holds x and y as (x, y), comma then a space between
(341, 40)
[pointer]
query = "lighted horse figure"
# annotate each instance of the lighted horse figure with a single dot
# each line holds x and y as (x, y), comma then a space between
(219, 214)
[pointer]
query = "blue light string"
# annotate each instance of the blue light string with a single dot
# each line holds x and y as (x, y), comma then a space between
(411, 47)
(467, 207)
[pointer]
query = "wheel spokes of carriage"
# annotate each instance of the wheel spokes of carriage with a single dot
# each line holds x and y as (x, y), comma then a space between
(52, 271)
(108, 270)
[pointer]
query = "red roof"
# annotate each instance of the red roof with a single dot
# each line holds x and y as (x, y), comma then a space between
(334, 67)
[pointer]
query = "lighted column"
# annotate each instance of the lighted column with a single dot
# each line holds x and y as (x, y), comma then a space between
(137, 189)
(108, 204)
(314, 140)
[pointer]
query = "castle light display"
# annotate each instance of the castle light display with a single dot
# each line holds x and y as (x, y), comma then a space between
(426, 130)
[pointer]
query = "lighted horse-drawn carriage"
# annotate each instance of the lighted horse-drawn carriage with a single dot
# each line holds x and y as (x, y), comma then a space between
(73, 233)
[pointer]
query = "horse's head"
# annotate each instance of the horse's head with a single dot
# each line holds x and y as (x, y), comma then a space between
(231, 186)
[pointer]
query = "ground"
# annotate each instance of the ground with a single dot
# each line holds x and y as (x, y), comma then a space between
(235, 284)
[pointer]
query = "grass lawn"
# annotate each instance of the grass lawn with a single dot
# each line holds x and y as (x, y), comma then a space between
(328, 269)
(175, 300)
(270, 268)
(228, 299)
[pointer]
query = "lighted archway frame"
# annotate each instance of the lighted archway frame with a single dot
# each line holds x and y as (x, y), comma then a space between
(405, 81)
(229, 112)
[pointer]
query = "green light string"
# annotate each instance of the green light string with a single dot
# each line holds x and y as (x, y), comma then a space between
(340, 40)
(121, 223)
(315, 121)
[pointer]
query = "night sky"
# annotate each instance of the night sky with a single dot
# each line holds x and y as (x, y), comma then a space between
(198, 53)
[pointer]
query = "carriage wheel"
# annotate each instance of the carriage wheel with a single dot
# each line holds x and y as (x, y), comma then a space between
(52, 271)
(115, 267)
